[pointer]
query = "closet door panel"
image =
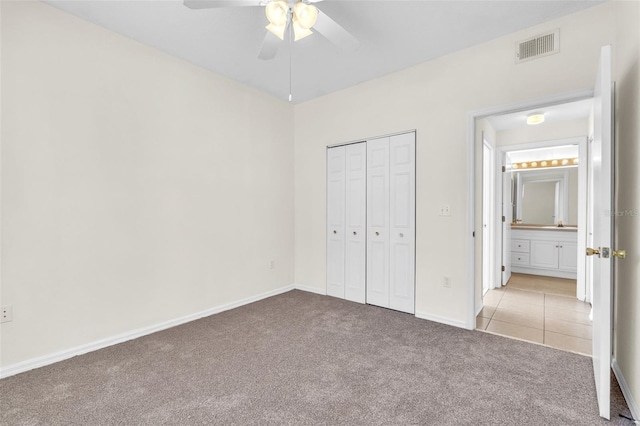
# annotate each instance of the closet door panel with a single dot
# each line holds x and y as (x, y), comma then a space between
(378, 222)
(402, 222)
(355, 229)
(336, 221)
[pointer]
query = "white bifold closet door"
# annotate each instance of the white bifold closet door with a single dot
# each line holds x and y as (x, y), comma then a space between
(346, 221)
(335, 221)
(390, 278)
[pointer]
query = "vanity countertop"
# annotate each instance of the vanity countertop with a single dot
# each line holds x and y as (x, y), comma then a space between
(569, 228)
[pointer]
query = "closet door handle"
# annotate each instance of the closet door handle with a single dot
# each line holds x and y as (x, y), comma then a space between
(377, 233)
(355, 233)
(401, 235)
(335, 232)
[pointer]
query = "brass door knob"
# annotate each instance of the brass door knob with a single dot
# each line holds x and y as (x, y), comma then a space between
(620, 254)
(591, 252)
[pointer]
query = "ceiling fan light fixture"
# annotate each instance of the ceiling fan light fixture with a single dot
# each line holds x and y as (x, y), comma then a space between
(277, 12)
(305, 15)
(300, 32)
(276, 30)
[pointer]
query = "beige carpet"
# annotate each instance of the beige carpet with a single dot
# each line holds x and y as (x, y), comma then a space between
(301, 358)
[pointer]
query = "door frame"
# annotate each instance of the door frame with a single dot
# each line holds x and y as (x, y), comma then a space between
(474, 217)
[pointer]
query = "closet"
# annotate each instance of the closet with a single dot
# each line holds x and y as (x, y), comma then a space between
(371, 222)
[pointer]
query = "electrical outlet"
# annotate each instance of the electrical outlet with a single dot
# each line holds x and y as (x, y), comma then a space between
(445, 210)
(6, 314)
(271, 264)
(446, 282)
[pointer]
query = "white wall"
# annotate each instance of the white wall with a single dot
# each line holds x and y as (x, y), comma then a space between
(434, 98)
(627, 288)
(137, 188)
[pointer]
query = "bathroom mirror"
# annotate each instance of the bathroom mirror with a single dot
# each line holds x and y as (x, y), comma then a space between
(546, 197)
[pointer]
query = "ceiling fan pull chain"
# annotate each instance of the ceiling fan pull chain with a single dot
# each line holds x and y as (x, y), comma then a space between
(290, 51)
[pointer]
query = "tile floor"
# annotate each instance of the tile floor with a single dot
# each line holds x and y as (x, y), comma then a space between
(538, 309)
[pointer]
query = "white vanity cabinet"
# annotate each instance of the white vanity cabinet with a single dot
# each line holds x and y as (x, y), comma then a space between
(545, 251)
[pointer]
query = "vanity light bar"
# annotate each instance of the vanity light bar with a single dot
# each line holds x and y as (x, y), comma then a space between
(545, 164)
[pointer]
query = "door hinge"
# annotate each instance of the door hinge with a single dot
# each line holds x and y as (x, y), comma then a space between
(504, 169)
(503, 268)
(504, 218)
(474, 234)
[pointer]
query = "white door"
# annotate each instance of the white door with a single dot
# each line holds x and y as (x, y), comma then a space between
(402, 222)
(355, 229)
(487, 216)
(335, 221)
(507, 215)
(378, 222)
(600, 164)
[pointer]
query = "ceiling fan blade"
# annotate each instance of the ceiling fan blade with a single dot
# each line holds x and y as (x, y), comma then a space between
(335, 33)
(213, 4)
(270, 46)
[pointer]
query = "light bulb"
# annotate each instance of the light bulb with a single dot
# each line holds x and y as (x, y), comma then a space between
(277, 12)
(305, 14)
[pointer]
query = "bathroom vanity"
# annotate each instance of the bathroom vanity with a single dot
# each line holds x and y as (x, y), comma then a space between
(544, 250)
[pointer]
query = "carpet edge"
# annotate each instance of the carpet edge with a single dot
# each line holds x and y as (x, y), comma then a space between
(44, 360)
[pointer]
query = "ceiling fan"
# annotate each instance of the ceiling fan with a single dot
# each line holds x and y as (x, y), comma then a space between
(288, 19)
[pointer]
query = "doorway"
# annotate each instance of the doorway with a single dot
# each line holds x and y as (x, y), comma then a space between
(600, 168)
(541, 193)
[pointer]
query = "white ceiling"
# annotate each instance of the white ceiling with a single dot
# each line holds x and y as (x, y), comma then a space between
(552, 114)
(394, 35)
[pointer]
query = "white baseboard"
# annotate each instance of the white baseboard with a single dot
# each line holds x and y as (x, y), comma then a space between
(632, 403)
(310, 289)
(441, 320)
(41, 361)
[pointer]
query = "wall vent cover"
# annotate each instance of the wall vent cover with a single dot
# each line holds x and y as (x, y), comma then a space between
(538, 46)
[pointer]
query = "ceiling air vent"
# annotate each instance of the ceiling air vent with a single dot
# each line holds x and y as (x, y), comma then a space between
(538, 46)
